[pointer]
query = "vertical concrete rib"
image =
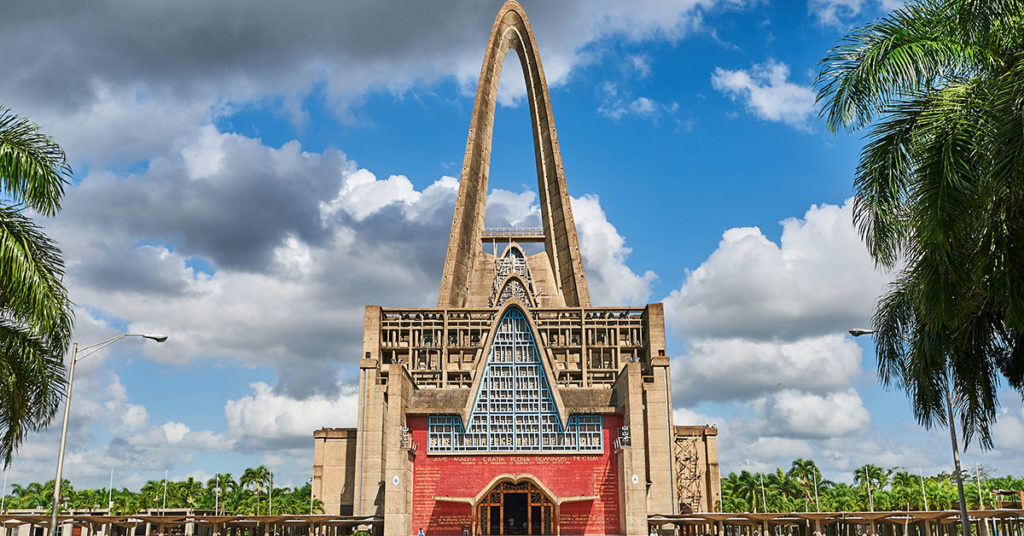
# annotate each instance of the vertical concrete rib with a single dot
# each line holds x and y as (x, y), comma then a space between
(511, 31)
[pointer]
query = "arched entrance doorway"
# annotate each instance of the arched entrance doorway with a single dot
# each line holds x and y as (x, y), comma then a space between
(515, 508)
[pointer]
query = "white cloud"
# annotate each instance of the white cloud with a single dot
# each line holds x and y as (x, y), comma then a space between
(362, 194)
(833, 12)
(616, 105)
(738, 369)
(765, 453)
(767, 93)
(641, 64)
(839, 12)
(174, 432)
(818, 280)
(270, 419)
(1008, 432)
(794, 413)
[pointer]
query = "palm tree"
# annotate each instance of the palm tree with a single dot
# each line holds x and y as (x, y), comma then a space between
(940, 195)
(30, 496)
(906, 489)
(67, 494)
(127, 503)
(807, 475)
(782, 492)
(256, 477)
(745, 490)
(189, 492)
(842, 498)
(151, 494)
(219, 486)
(871, 479)
(35, 312)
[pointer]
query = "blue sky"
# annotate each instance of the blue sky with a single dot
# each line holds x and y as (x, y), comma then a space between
(248, 178)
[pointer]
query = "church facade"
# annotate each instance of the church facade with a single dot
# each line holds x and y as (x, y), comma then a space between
(515, 406)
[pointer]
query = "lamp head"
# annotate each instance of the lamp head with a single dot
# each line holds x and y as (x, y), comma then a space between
(157, 338)
(859, 332)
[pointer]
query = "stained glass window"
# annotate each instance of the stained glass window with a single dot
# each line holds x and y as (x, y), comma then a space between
(514, 410)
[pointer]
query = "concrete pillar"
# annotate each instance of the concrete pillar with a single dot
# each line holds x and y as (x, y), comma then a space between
(369, 441)
(631, 459)
(660, 435)
(398, 471)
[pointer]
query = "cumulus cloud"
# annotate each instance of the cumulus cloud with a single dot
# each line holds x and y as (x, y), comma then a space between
(269, 419)
(818, 280)
(795, 413)
(738, 369)
(767, 93)
(764, 325)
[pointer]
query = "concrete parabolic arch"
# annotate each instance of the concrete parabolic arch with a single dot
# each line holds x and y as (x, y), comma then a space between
(512, 31)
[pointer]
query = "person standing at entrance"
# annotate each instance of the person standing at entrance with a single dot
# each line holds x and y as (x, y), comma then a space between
(421, 532)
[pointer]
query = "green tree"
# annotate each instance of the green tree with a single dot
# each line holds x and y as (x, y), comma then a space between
(842, 498)
(783, 492)
(127, 503)
(871, 479)
(940, 195)
(742, 492)
(218, 487)
(31, 495)
(906, 490)
(256, 477)
(807, 475)
(152, 493)
(67, 495)
(186, 493)
(35, 312)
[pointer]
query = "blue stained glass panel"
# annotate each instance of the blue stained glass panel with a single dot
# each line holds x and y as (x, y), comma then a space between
(514, 410)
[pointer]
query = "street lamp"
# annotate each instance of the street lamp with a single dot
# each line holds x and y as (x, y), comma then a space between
(67, 411)
(964, 519)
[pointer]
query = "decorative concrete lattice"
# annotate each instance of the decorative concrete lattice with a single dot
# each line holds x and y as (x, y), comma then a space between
(512, 263)
(514, 410)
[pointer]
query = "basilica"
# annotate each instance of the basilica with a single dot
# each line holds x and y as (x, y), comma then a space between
(515, 406)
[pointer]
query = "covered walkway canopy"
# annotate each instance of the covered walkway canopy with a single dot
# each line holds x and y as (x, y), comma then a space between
(325, 525)
(1009, 522)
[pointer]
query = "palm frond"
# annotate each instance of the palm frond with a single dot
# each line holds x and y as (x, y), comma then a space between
(33, 168)
(30, 289)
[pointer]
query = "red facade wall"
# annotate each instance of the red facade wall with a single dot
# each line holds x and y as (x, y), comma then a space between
(466, 475)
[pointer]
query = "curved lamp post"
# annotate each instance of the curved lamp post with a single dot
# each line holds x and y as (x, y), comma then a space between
(965, 524)
(67, 410)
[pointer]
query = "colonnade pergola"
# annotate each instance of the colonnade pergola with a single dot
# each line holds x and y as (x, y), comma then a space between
(188, 524)
(1003, 522)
